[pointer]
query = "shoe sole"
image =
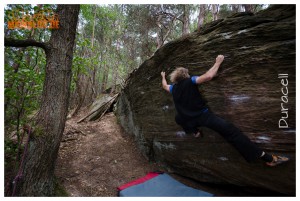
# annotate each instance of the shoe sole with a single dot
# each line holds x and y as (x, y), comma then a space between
(277, 163)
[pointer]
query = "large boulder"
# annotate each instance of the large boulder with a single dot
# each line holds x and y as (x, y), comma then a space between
(255, 89)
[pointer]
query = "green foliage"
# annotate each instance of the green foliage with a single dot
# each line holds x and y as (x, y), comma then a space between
(225, 11)
(10, 147)
(23, 70)
(59, 189)
(23, 83)
(11, 153)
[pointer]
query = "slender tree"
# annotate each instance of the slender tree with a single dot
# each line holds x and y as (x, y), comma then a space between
(236, 8)
(215, 11)
(186, 20)
(36, 176)
(201, 16)
(249, 7)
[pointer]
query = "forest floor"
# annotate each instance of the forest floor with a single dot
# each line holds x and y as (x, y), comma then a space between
(96, 157)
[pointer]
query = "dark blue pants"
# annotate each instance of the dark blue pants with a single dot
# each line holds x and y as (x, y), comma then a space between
(226, 129)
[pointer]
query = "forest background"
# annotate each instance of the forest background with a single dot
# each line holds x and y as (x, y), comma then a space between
(111, 42)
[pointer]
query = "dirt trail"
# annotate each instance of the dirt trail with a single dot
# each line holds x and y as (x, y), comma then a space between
(97, 157)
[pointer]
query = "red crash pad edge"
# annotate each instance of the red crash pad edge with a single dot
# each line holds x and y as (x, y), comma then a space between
(149, 176)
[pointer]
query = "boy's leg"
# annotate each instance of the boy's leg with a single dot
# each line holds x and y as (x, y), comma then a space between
(189, 127)
(233, 135)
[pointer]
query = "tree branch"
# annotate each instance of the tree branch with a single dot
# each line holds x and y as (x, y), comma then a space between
(8, 42)
(170, 14)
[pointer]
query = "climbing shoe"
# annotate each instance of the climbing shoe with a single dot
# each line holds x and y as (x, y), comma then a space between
(198, 134)
(277, 160)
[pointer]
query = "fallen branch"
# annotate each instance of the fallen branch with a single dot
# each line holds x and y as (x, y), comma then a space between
(101, 109)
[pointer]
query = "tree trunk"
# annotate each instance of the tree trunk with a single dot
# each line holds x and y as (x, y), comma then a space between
(248, 91)
(94, 71)
(81, 91)
(159, 37)
(186, 20)
(104, 77)
(115, 77)
(115, 72)
(94, 24)
(38, 173)
(215, 11)
(201, 16)
(145, 53)
(249, 7)
(236, 8)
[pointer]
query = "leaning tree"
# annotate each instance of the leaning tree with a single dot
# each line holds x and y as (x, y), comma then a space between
(37, 175)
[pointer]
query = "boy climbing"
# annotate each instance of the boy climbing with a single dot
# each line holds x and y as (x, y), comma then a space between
(192, 113)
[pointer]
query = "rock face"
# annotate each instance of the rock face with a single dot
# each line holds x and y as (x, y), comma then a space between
(250, 91)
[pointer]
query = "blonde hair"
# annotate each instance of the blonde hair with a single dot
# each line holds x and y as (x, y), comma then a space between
(179, 74)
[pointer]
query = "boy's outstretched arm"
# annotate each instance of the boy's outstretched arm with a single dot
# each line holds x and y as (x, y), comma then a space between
(164, 82)
(211, 72)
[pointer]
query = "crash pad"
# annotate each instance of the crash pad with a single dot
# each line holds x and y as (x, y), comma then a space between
(159, 185)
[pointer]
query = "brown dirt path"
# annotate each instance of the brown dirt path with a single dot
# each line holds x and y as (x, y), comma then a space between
(97, 157)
